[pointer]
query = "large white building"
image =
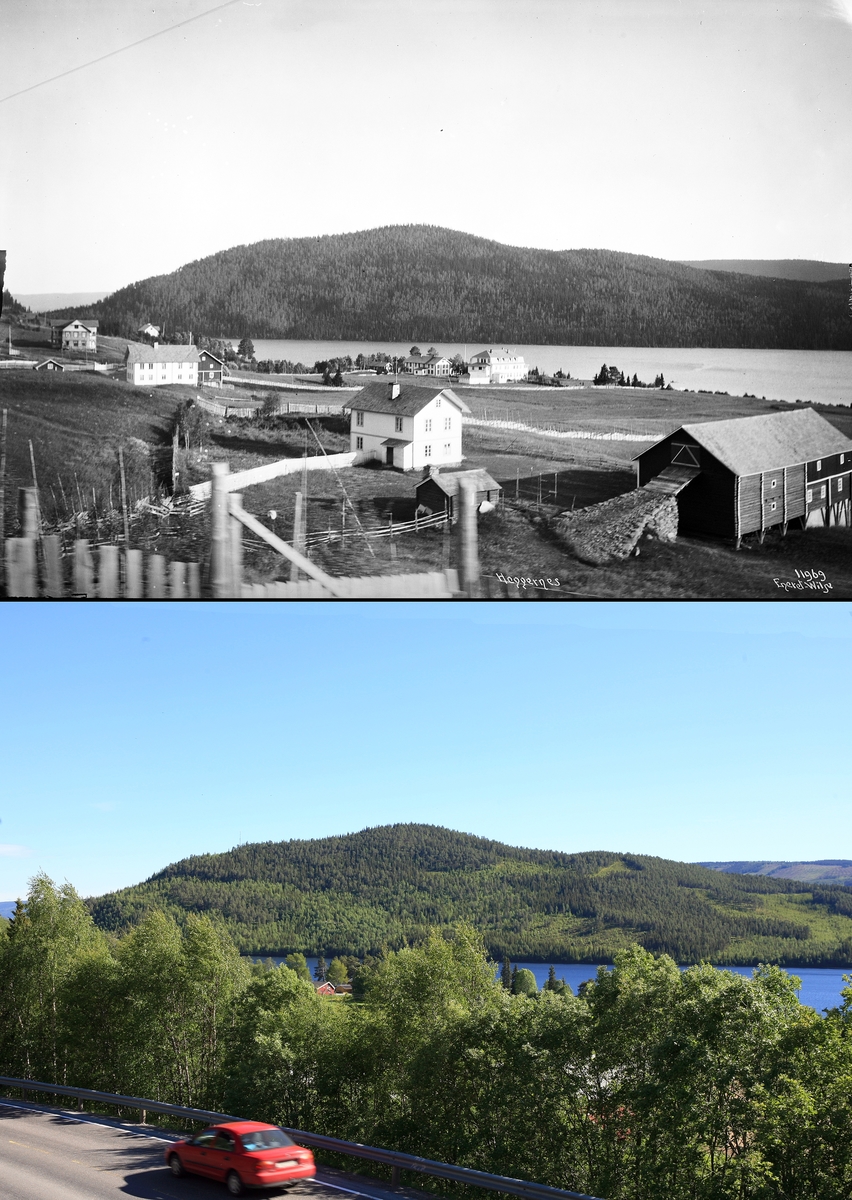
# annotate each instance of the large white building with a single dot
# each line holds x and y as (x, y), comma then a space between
(408, 426)
(496, 366)
(155, 365)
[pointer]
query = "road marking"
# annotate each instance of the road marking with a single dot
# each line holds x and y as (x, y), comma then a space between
(82, 1119)
(27, 1146)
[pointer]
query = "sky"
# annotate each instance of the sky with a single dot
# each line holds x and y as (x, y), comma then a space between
(140, 136)
(132, 735)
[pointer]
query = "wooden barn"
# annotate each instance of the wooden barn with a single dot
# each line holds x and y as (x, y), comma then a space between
(749, 474)
(439, 491)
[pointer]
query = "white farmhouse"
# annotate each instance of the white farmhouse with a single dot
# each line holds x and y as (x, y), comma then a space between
(152, 366)
(408, 426)
(75, 335)
(496, 366)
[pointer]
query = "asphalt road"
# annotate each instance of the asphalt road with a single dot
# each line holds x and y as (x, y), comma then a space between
(50, 1154)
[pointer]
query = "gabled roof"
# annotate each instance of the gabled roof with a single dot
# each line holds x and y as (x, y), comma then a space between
(449, 481)
(92, 326)
(411, 399)
(42, 365)
(137, 353)
(748, 445)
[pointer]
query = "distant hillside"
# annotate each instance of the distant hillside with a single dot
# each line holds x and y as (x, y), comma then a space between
(43, 302)
(807, 270)
(422, 283)
(382, 887)
(823, 870)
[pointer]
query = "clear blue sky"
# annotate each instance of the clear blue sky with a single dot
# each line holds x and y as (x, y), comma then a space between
(132, 735)
(674, 128)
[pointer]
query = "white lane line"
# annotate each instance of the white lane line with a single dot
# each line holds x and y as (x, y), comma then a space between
(81, 1119)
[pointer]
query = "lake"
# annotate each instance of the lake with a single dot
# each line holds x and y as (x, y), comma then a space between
(820, 985)
(813, 376)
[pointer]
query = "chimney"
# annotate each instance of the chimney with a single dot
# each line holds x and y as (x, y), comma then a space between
(393, 391)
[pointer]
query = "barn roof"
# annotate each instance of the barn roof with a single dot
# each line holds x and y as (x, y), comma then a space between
(139, 353)
(449, 481)
(375, 397)
(748, 445)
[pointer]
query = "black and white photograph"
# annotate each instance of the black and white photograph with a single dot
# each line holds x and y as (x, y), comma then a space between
(475, 299)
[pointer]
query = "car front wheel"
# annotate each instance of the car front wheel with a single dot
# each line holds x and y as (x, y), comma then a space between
(234, 1184)
(176, 1166)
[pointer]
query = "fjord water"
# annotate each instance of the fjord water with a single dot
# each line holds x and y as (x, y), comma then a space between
(820, 988)
(812, 376)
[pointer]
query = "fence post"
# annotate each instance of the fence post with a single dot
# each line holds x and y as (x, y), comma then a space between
(53, 567)
(28, 512)
(133, 574)
(83, 572)
(220, 550)
(21, 567)
(470, 538)
(236, 532)
(107, 572)
(156, 577)
(297, 537)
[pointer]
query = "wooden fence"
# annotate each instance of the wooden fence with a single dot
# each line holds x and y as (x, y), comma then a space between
(49, 568)
(37, 567)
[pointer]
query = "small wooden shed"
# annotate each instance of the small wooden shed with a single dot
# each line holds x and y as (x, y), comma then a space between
(748, 474)
(439, 491)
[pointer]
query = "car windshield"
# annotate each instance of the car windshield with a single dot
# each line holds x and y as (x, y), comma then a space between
(265, 1139)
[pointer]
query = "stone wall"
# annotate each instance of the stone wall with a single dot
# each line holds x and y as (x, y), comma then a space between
(612, 529)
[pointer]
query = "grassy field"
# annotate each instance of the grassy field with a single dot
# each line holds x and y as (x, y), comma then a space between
(76, 422)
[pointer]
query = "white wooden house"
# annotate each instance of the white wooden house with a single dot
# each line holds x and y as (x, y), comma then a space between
(152, 366)
(496, 366)
(427, 364)
(408, 426)
(79, 334)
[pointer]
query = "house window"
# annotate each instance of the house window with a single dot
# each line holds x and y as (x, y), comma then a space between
(359, 443)
(819, 464)
(448, 422)
(822, 492)
(397, 424)
(359, 418)
(428, 427)
(842, 460)
(438, 405)
(810, 495)
(427, 450)
(446, 448)
(840, 485)
(774, 483)
(773, 506)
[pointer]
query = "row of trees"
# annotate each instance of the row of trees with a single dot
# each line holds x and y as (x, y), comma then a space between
(694, 1085)
(612, 375)
(384, 886)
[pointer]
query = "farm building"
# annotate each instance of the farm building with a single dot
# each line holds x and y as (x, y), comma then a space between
(49, 364)
(79, 334)
(406, 425)
(496, 366)
(427, 364)
(154, 365)
(749, 474)
(211, 368)
(439, 492)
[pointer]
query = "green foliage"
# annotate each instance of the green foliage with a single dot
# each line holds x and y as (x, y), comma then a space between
(693, 1085)
(298, 963)
(337, 972)
(523, 983)
(387, 886)
(382, 283)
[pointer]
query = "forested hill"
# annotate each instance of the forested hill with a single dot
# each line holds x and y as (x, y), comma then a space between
(381, 887)
(423, 283)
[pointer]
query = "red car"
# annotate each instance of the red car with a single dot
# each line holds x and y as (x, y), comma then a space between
(245, 1154)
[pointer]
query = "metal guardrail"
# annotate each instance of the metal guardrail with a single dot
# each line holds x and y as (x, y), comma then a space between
(392, 1158)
